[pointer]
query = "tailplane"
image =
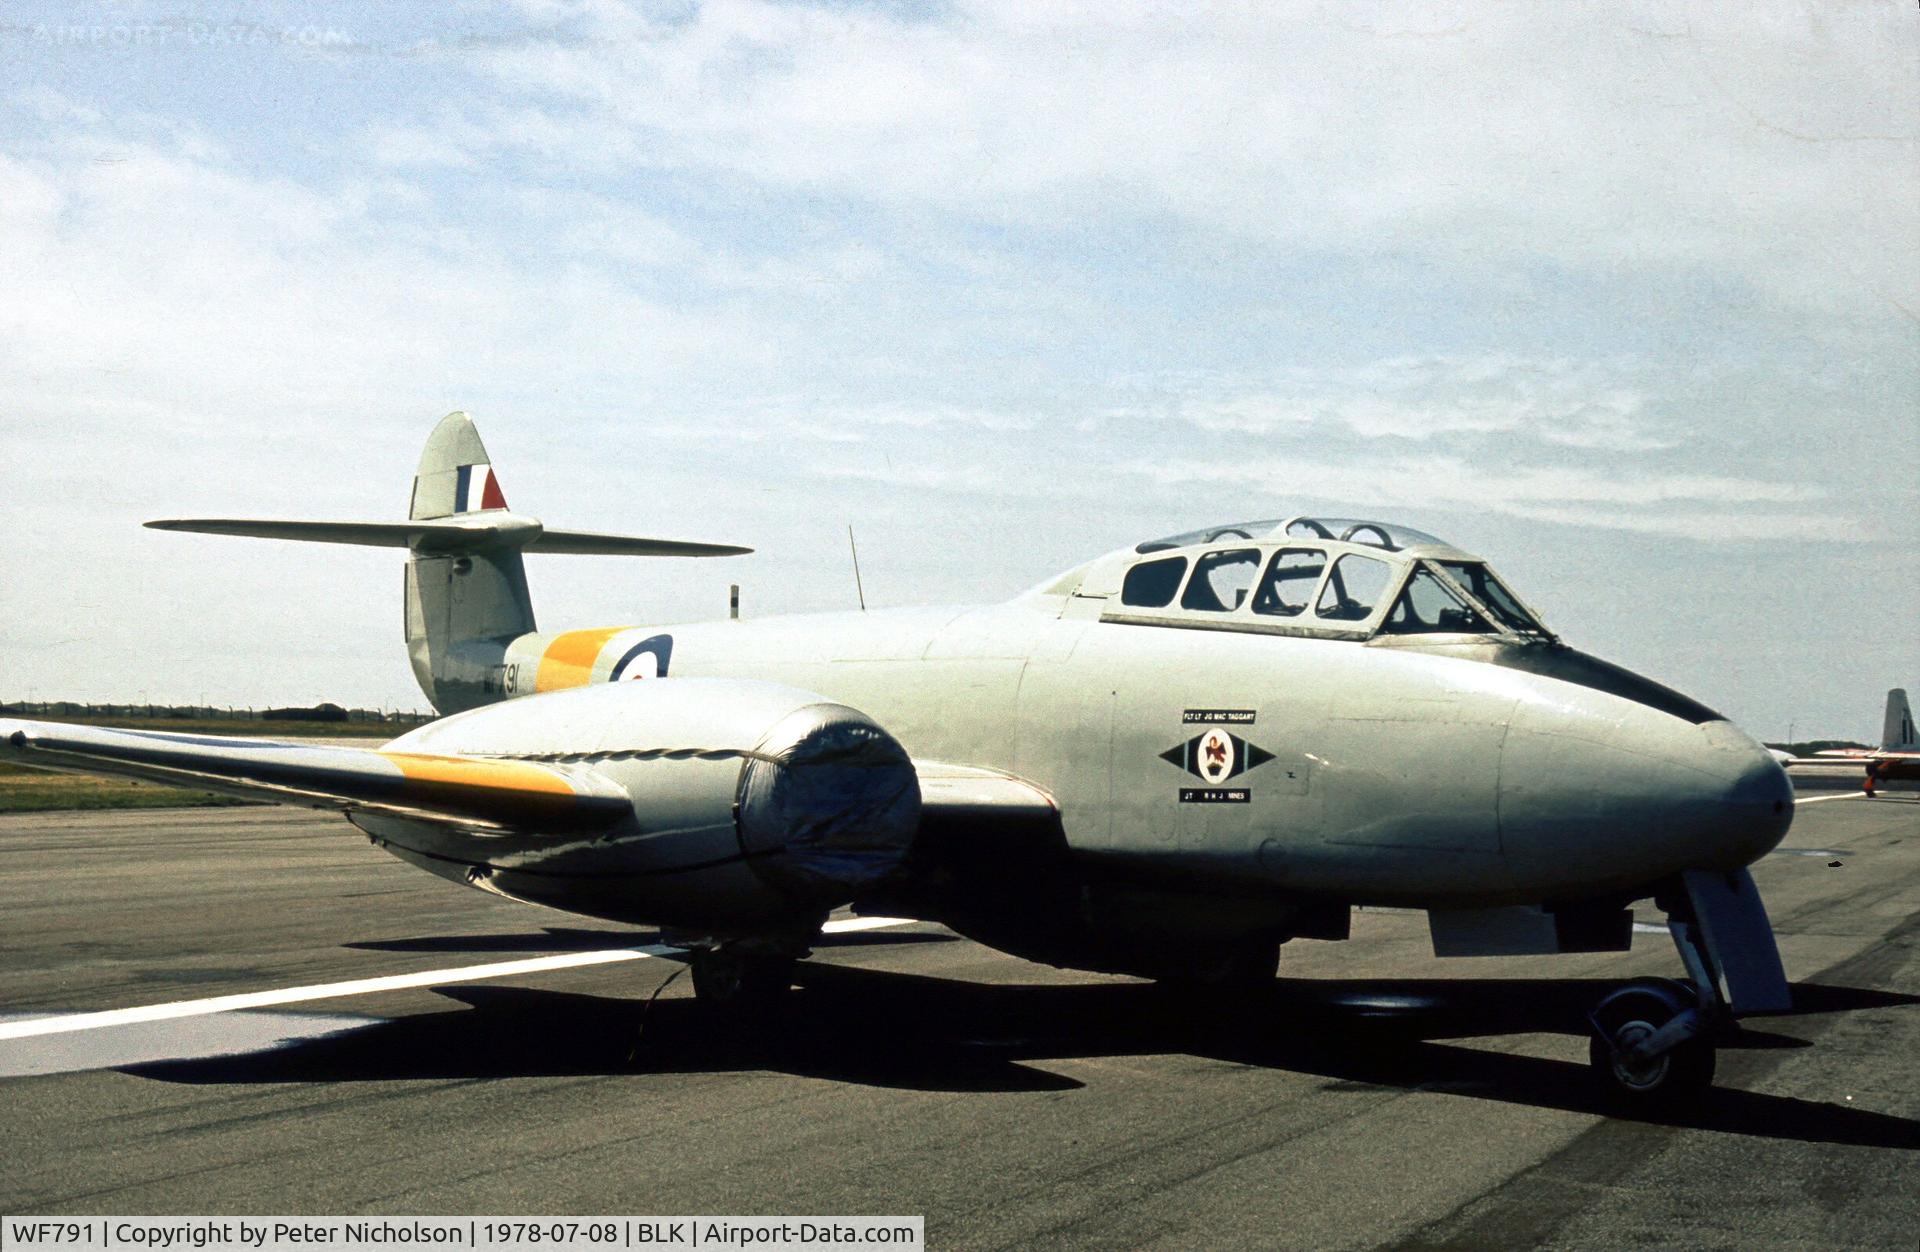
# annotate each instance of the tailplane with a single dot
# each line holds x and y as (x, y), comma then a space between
(1897, 732)
(466, 587)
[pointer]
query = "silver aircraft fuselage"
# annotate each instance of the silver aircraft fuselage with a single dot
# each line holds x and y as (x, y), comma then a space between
(1388, 772)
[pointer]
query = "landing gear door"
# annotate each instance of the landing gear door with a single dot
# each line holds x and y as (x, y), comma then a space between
(1739, 941)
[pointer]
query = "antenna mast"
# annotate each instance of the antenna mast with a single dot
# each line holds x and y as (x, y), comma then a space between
(854, 548)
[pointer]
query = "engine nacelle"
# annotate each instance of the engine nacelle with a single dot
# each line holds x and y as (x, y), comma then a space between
(755, 806)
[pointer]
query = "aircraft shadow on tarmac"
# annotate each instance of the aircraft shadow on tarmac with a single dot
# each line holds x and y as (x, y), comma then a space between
(572, 939)
(923, 1033)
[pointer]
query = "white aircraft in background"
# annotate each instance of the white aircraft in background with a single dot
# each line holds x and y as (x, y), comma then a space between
(1167, 762)
(1898, 755)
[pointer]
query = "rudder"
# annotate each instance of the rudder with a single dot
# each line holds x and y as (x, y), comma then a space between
(456, 474)
(462, 609)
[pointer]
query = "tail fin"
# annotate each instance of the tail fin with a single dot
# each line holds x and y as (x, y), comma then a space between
(1897, 731)
(465, 606)
(466, 587)
(455, 474)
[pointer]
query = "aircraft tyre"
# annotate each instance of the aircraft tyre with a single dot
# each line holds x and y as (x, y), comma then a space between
(1242, 968)
(740, 986)
(1229, 979)
(1632, 1014)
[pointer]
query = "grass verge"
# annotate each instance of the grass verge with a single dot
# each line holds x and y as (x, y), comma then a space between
(39, 791)
(24, 790)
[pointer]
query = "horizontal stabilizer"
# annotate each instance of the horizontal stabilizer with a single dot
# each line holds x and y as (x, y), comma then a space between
(587, 543)
(465, 533)
(475, 793)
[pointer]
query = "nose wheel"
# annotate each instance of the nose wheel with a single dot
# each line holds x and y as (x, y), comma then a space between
(1651, 1043)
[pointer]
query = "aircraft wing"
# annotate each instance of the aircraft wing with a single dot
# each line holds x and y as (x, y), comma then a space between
(473, 793)
(954, 796)
(1857, 757)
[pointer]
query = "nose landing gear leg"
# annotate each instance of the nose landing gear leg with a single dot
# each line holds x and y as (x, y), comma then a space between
(1652, 1040)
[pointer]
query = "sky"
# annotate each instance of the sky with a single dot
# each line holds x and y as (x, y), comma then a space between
(1622, 296)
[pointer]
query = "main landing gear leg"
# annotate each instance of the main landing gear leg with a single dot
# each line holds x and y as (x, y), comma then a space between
(743, 982)
(1652, 1040)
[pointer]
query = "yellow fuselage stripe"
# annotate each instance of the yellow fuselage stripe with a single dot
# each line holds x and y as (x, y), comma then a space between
(568, 660)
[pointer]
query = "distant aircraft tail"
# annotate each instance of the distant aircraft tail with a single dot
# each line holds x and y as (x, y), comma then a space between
(466, 587)
(1898, 730)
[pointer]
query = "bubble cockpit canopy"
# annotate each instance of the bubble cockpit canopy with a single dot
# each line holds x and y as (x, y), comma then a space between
(1385, 535)
(1331, 577)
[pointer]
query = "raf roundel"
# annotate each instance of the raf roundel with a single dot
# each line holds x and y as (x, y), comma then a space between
(646, 659)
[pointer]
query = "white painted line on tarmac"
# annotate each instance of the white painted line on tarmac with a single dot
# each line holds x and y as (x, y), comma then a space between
(848, 925)
(1850, 795)
(318, 991)
(368, 986)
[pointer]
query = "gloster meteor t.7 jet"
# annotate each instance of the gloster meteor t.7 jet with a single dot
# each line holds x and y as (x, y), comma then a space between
(1166, 762)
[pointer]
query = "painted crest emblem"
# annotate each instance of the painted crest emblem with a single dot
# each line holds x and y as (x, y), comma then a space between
(1213, 756)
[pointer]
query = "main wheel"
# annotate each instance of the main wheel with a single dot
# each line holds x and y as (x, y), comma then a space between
(740, 986)
(1239, 968)
(1631, 1015)
(1231, 984)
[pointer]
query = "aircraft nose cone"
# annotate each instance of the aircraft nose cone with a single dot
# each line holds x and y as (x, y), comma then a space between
(1599, 791)
(1748, 799)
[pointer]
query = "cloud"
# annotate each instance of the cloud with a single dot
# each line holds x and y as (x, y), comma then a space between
(1004, 283)
(1698, 506)
(1581, 404)
(152, 272)
(1607, 140)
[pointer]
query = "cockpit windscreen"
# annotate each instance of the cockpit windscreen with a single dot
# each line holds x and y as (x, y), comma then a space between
(1429, 606)
(1488, 590)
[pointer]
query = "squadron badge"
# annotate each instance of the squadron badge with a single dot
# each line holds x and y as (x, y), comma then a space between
(1215, 757)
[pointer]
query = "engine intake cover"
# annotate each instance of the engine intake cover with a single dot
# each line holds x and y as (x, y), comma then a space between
(755, 805)
(828, 804)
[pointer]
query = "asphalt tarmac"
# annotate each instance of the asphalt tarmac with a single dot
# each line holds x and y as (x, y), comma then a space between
(1385, 1098)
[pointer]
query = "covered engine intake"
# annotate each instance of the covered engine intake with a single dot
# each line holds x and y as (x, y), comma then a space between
(828, 803)
(754, 805)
